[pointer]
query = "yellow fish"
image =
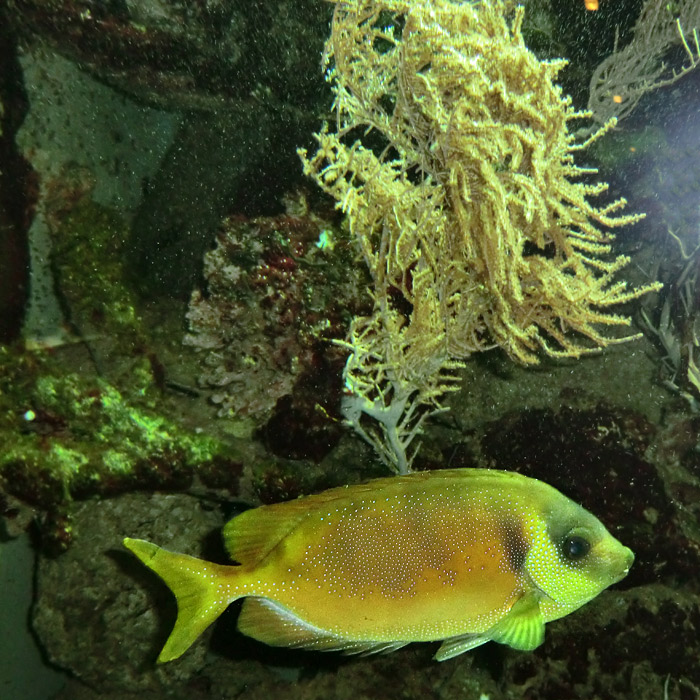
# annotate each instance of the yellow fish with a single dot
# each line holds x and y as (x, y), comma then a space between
(465, 556)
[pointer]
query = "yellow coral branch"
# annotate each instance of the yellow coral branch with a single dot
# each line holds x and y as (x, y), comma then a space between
(453, 161)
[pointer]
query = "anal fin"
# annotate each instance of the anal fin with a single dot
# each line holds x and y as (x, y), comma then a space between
(273, 624)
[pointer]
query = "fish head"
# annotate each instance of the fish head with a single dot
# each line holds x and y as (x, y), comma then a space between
(572, 557)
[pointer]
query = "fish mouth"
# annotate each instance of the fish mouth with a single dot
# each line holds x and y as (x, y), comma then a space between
(628, 555)
(620, 576)
(629, 560)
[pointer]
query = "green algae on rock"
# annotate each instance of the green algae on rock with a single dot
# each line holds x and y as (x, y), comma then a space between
(71, 435)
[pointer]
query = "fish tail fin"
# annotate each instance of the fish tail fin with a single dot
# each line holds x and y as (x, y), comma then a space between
(203, 591)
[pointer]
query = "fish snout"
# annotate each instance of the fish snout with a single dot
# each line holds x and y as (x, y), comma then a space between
(621, 562)
(614, 560)
(628, 561)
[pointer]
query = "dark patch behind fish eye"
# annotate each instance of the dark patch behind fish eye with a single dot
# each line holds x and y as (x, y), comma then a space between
(516, 544)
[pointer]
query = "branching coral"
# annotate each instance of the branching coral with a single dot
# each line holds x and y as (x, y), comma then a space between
(454, 163)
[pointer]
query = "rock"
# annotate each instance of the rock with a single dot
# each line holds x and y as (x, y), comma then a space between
(99, 613)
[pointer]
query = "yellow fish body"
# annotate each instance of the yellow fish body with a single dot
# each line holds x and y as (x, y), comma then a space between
(465, 556)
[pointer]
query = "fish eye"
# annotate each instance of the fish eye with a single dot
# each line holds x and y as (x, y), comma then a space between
(575, 547)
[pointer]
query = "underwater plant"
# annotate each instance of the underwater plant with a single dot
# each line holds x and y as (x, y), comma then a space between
(452, 157)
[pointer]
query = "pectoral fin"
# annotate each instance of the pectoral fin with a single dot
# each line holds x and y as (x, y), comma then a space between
(522, 628)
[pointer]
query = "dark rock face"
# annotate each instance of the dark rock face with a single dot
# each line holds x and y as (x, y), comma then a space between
(604, 652)
(187, 55)
(99, 613)
(247, 76)
(18, 191)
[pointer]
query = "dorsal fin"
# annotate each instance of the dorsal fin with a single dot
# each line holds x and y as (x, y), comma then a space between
(252, 535)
